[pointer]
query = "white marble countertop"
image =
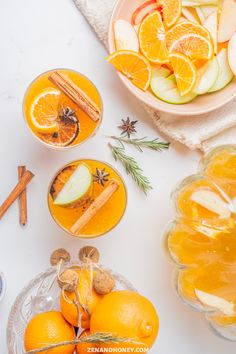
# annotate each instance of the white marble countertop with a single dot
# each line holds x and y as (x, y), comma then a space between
(39, 35)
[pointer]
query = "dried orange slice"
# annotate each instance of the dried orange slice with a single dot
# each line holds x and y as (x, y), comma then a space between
(193, 46)
(185, 28)
(171, 10)
(133, 65)
(184, 71)
(152, 39)
(68, 131)
(44, 111)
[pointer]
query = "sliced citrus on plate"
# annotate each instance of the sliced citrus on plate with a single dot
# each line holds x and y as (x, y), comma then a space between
(152, 38)
(185, 28)
(193, 46)
(44, 111)
(171, 11)
(134, 66)
(184, 71)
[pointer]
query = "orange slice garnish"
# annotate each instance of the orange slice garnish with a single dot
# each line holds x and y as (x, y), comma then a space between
(193, 46)
(152, 39)
(134, 66)
(171, 10)
(184, 71)
(185, 28)
(44, 111)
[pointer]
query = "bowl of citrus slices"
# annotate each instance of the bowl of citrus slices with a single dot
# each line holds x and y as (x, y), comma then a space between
(176, 56)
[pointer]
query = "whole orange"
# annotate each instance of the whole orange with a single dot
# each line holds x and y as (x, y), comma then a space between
(84, 348)
(48, 328)
(87, 296)
(126, 314)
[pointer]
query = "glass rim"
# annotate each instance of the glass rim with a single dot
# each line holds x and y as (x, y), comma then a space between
(50, 146)
(88, 236)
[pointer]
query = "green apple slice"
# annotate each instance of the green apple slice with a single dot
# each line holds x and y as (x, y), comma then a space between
(76, 187)
(163, 85)
(225, 73)
(207, 76)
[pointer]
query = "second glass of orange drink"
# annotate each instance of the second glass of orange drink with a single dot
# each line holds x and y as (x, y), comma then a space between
(87, 198)
(62, 108)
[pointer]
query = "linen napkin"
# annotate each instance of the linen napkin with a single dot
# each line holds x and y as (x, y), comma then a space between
(196, 132)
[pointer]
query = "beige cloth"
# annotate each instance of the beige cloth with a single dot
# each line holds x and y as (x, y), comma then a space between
(199, 132)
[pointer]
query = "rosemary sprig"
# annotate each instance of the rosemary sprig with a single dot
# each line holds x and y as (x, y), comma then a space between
(131, 167)
(141, 143)
(93, 338)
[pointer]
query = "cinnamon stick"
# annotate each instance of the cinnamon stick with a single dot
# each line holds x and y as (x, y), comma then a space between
(22, 199)
(76, 94)
(17, 190)
(95, 206)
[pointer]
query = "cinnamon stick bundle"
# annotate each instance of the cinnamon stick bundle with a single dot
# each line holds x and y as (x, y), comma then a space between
(15, 193)
(95, 206)
(76, 94)
(22, 199)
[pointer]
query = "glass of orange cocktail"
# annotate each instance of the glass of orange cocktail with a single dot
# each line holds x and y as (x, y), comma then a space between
(87, 198)
(62, 108)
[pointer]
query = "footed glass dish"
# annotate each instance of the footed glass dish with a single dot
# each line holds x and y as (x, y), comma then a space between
(42, 294)
(201, 240)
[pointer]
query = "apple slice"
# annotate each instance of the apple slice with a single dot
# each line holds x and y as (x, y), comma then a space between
(76, 187)
(225, 73)
(212, 202)
(190, 14)
(216, 302)
(143, 10)
(211, 23)
(207, 76)
(125, 36)
(227, 22)
(208, 9)
(232, 53)
(194, 3)
(200, 14)
(163, 85)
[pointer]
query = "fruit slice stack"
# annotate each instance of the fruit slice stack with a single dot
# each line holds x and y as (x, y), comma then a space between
(178, 48)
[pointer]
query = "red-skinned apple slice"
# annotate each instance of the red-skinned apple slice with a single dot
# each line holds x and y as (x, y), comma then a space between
(143, 10)
(227, 23)
(232, 53)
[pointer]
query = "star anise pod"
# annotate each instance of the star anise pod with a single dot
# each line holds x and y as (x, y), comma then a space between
(128, 127)
(101, 176)
(68, 116)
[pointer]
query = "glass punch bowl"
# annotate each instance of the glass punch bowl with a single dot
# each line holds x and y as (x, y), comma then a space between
(201, 240)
